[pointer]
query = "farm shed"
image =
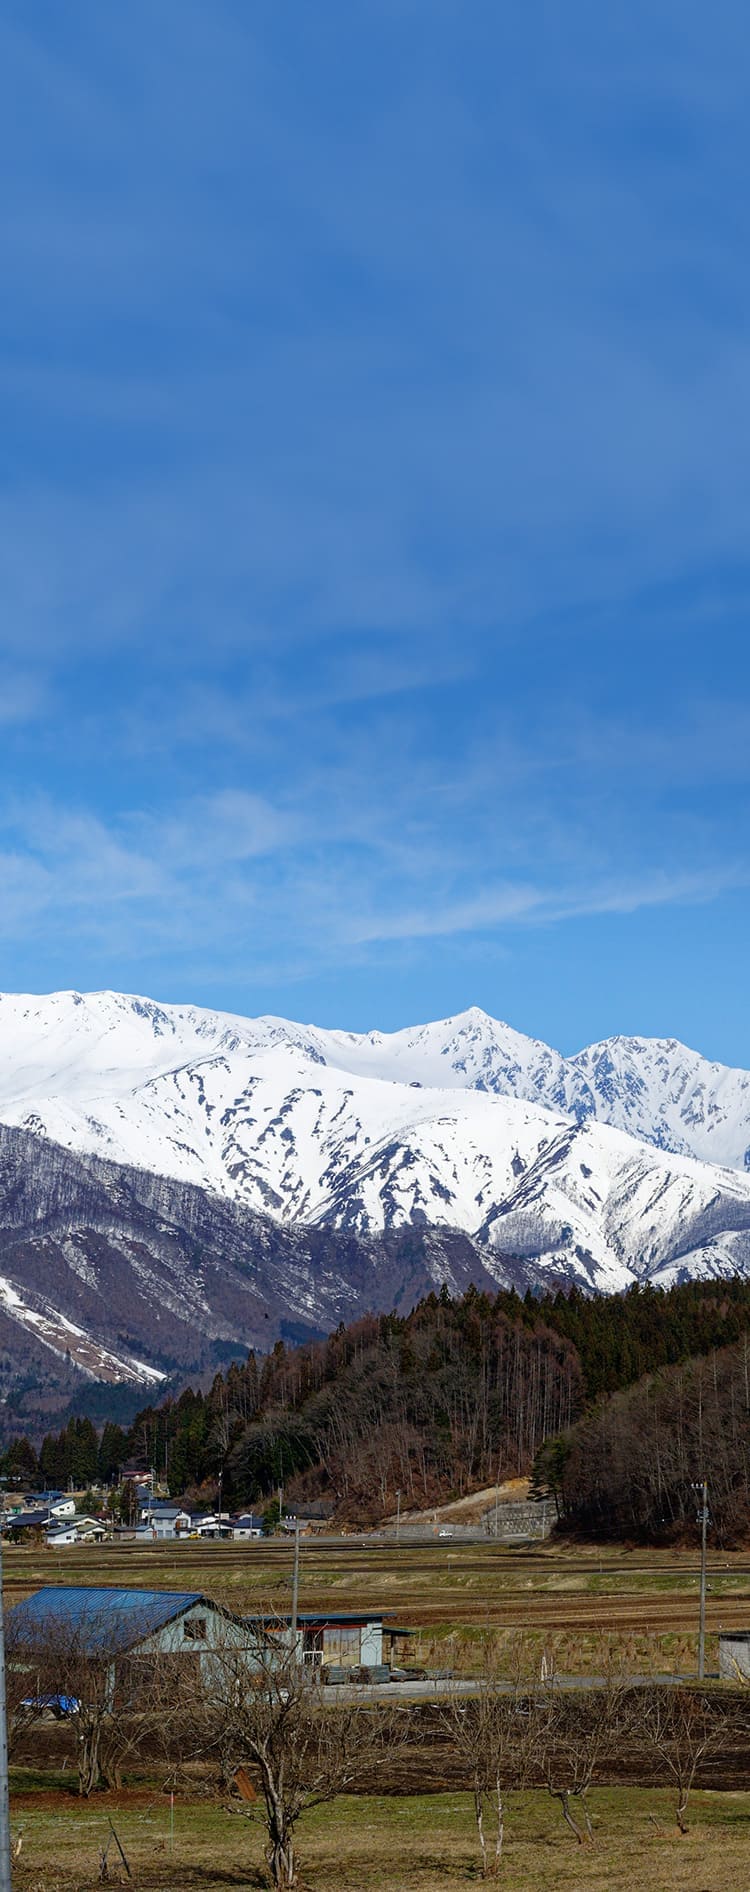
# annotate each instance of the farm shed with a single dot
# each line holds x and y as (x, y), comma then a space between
(336, 1639)
(125, 1626)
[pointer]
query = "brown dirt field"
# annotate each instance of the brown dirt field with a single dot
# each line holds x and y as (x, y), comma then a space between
(567, 1591)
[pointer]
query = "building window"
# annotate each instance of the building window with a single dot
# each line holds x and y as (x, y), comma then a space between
(342, 1643)
(194, 1629)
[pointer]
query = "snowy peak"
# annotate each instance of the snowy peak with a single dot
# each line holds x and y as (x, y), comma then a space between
(658, 1089)
(629, 1158)
(69, 1045)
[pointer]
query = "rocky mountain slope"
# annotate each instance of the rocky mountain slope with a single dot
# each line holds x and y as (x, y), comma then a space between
(174, 1181)
(129, 1277)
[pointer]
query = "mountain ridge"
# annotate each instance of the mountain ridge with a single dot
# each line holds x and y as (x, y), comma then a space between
(462, 1130)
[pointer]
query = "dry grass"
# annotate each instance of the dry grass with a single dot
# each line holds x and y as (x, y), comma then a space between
(412, 1844)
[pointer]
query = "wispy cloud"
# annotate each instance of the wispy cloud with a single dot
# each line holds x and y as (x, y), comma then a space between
(227, 871)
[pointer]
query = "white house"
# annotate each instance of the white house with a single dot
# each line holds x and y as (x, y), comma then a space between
(214, 1524)
(164, 1520)
(60, 1535)
(249, 1525)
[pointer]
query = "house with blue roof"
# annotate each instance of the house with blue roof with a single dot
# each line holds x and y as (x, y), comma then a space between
(122, 1626)
(160, 1518)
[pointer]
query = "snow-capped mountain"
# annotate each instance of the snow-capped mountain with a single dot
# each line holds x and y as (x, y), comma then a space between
(594, 1167)
(127, 1276)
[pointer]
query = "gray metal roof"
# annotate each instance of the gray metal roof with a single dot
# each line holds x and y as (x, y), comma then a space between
(163, 1508)
(104, 1618)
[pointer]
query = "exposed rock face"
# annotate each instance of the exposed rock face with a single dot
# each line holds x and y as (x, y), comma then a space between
(130, 1276)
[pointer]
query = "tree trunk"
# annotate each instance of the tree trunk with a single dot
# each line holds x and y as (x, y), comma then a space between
(282, 1862)
(88, 1761)
(479, 1817)
(500, 1825)
(280, 1852)
(585, 1812)
(564, 1798)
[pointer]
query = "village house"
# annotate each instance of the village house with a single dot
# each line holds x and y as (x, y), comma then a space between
(160, 1518)
(90, 1530)
(61, 1535)
(36, 1519)
(126, 1626)
(248, 1525)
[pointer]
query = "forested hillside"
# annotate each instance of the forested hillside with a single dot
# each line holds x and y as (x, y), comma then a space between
(452, 1396)
(631, 1466)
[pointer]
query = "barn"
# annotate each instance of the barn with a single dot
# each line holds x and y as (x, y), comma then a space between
(128, 1629)
(124, 1626)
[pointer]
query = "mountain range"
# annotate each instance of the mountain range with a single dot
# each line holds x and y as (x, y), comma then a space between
(178, 1183)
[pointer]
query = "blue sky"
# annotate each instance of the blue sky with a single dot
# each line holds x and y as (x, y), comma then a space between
(374, 492)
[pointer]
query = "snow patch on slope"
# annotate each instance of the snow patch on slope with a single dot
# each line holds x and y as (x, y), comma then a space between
(584, 1165)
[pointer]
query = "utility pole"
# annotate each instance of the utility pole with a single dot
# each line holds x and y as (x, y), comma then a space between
(5, 1882)
(398, 1515)
(295, 1590)
(703, 1521)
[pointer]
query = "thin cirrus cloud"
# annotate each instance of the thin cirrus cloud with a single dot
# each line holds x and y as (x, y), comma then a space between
(537, 905)
(77, 874)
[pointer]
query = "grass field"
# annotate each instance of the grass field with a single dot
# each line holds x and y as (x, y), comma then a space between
(420, 1843)
(451, 1594)
(455, 1597)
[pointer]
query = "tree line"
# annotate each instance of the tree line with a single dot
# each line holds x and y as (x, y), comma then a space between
(630, 1467)
(457, 1393)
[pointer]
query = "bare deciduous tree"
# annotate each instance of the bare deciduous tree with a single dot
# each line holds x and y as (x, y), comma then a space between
(266, 1712)
(575, 1733)
(493, 1733)
(680, 1728)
